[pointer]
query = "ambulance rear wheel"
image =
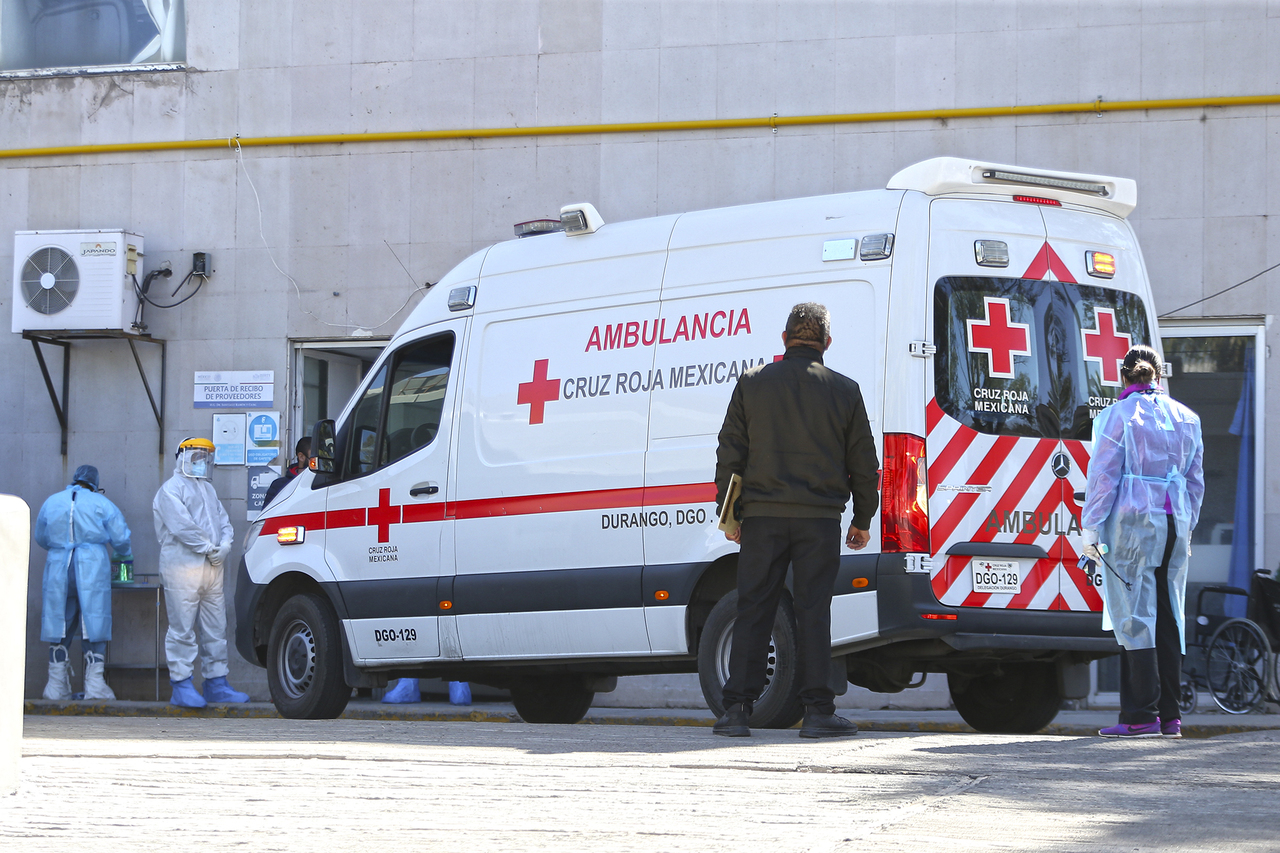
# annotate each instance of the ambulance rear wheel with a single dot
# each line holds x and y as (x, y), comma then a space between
(1013, 698)
(779, 705)
(304, 660)
(552, 699)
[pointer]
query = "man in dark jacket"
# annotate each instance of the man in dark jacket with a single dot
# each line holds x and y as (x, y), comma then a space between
(302, 455)
(798, 435)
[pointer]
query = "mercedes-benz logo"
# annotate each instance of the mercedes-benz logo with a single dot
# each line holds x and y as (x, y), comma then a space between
(1061, 465)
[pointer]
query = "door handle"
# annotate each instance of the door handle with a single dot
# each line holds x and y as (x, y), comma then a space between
(428, 489)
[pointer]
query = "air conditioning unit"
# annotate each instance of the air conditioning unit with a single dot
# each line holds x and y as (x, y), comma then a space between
(83, 280)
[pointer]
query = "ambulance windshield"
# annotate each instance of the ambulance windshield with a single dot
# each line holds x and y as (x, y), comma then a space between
(1031, 358)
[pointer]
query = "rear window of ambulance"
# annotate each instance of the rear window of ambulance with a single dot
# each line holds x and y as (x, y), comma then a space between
(1031, 358)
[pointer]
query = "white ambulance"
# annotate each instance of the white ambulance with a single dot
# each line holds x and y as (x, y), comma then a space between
(520, 492)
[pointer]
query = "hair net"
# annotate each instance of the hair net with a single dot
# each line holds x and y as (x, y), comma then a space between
(88, 475)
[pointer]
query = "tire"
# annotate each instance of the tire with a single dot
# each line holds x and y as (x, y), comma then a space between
(304, 660)
(552, 699)
(1236, 666)
(1187, 699)
(779, 706)
(1014, 698)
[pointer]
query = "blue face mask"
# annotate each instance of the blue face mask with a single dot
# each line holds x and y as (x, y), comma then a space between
(199, 469)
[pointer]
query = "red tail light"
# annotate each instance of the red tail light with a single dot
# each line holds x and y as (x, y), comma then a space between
(904, 496)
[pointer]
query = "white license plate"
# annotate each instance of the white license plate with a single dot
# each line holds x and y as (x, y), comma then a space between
(996, 576)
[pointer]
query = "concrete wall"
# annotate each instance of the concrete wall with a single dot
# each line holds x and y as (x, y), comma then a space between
(335, 218)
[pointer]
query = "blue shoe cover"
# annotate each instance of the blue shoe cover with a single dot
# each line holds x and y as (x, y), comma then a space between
(405, 692)
(459, 693)
(185, 694)
(218, 690)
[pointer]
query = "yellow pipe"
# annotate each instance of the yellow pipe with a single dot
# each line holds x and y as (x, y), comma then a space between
(1098, 107)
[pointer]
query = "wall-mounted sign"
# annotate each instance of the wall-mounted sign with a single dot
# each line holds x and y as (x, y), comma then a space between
(235, 389)
(263, 439)
(260, 477)
(228, 439)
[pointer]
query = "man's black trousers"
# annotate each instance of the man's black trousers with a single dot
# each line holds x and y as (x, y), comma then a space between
(811, 546)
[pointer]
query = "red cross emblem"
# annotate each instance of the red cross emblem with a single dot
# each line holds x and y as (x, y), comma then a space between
(538, 392)
(384, 515)
(1105, 346)
(1000, 339)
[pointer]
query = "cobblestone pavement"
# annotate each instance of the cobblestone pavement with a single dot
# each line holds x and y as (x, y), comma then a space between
(109, 784)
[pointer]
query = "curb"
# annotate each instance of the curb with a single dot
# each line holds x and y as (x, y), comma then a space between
(597, 717)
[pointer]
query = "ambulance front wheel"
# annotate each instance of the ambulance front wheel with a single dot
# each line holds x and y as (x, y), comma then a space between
(1011, 698)
(304, 660)
(779, 706)
(552, 699)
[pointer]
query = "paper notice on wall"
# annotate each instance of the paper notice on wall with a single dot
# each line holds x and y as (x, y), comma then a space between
(228, 439)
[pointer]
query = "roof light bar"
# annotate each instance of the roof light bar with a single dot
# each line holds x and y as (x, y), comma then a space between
(1045, 181)
(538, 226)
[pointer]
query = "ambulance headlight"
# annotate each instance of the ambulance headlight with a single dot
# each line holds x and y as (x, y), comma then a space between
(255, 530)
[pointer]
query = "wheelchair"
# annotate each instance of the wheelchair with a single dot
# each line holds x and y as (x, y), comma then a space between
(1241, 655)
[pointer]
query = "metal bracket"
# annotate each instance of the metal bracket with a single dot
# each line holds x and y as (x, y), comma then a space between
(61, 408)
(921, 349)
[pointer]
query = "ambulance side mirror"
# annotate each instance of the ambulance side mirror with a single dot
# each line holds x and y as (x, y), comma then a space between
(323, 454)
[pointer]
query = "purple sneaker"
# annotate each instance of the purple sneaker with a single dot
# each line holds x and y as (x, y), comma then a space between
(1171, 728)
(1134, 730)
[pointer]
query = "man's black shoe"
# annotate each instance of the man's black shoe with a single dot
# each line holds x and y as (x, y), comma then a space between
(733, 723)
(817, 724)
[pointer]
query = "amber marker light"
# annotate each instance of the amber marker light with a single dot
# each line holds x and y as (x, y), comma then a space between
(859, 583)
(662, 595)
(1100, 264)
(291, 535)
(446, 605)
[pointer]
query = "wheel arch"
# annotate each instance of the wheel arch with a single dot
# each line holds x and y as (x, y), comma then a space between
(276, 593)
(719, 577)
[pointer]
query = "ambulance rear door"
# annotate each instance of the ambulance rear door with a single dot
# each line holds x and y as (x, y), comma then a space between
(993, 438)
(1108, 299)
(1028, 344)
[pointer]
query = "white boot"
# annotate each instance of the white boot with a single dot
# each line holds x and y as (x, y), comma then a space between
(58, 687)
(95, 686)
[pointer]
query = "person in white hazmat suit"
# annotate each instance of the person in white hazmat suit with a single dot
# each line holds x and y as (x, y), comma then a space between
(195, 537)
(1145, 486)
(75, 526)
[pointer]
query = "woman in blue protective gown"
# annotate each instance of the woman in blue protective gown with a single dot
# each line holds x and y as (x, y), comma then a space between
(76, 526)
(1145, 486)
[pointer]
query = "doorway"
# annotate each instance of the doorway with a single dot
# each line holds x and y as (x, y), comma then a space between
(326, 373)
